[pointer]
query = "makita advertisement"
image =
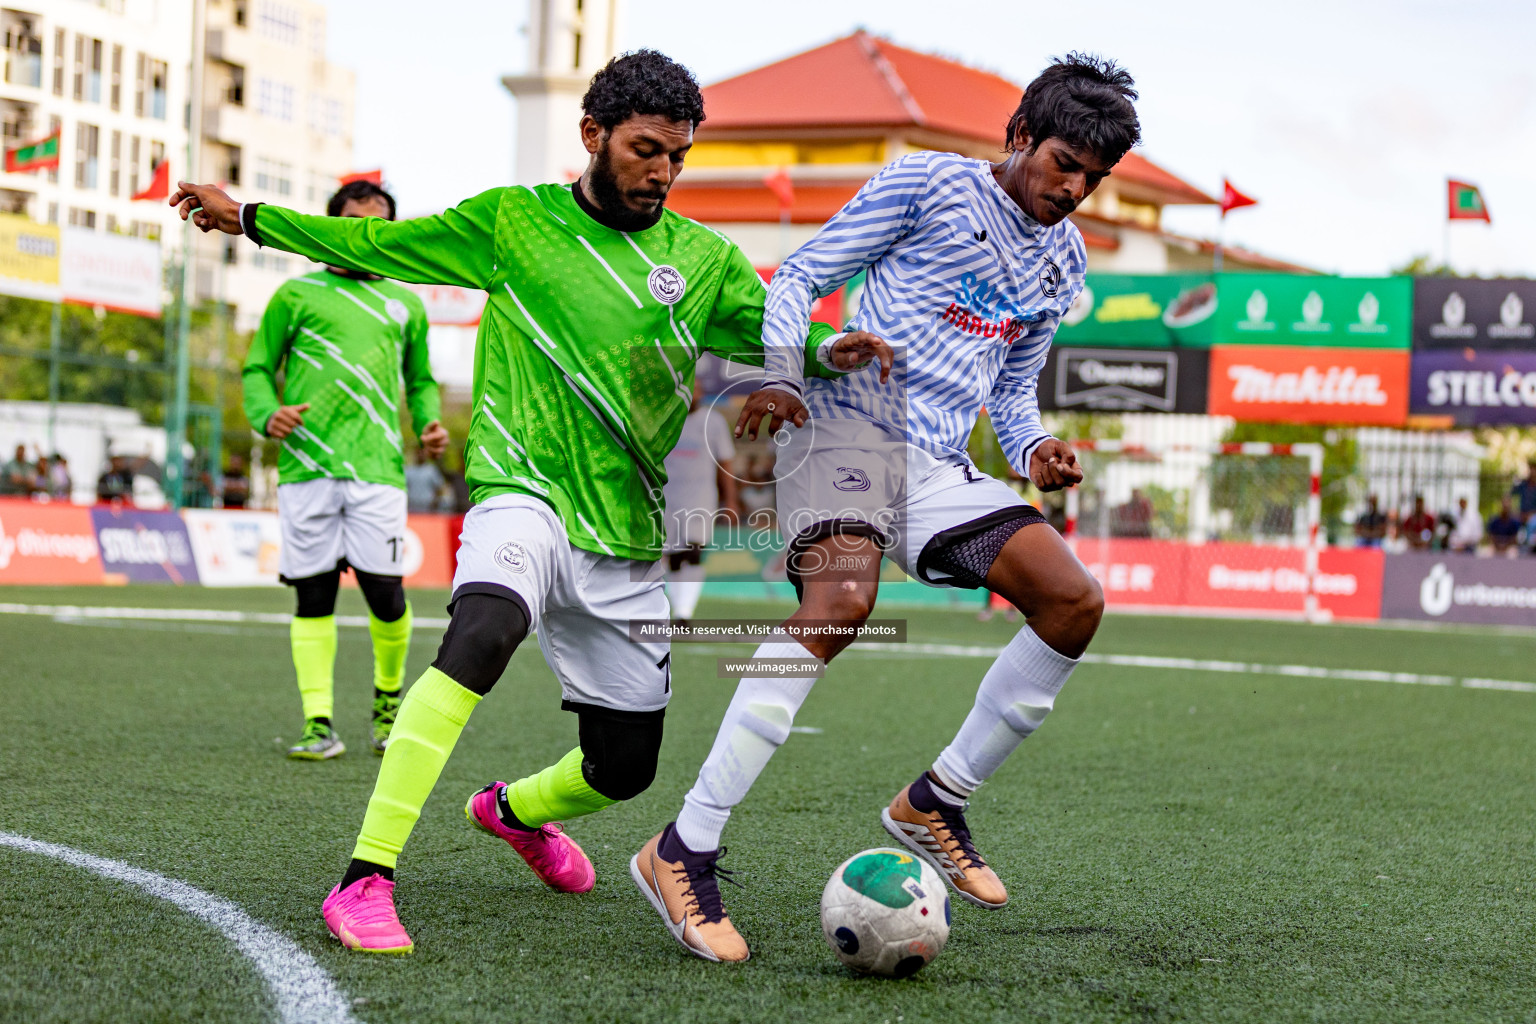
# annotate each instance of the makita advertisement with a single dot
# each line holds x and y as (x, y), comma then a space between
(1452, 312)
(1124, 380)
(1475, 387)
(1288, 384)
(1460, 588)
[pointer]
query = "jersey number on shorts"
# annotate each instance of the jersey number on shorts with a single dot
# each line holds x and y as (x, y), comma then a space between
(395, 544)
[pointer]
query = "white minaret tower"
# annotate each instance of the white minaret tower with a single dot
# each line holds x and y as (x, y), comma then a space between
(568, 42)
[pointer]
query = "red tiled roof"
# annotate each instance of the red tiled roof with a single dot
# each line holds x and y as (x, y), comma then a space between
(715, 202)
(860, 81)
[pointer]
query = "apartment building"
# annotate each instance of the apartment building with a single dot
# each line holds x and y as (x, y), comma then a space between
(111, 77)
(276, 128)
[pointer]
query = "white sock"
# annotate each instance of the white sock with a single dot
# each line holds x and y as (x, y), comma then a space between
(1016, 694)
(684, 588)
(755, 724)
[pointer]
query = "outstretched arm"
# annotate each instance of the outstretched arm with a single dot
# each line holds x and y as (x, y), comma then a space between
(1014, 408)
(455, 247)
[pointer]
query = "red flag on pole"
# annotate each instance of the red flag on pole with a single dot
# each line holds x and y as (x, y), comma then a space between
(781, 186)
(1232, 199)
(1465, 202)
(376, 176)
(159, 183)
(34, 156)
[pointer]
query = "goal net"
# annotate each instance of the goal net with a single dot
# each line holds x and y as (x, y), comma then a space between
(1217, 529)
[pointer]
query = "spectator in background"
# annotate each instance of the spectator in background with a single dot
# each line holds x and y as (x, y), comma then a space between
(40, 477)
(236, 491)
(18, 478)
(1524, 495)
(1370, 525)
(1466, 529)
(1419, 528)
(1504, 530)
(60, 484)
(424, 484)
(116, 484)
(1392, 540)
(1134, 518)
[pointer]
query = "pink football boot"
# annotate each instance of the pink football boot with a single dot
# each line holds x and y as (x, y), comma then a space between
(363, 917)
(554, 856)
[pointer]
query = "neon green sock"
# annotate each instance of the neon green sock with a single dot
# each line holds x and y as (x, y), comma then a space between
(314, 661)
(431, 717)
(555, 794)
(391, 643)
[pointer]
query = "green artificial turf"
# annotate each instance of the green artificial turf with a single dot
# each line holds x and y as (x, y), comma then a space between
(1179, 845)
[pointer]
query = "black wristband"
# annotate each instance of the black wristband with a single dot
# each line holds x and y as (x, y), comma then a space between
(248, 222)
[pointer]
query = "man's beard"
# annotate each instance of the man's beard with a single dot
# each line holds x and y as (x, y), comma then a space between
(605, 193)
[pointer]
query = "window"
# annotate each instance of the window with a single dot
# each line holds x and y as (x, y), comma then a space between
(279, 23)
(93, 64)
(231, 253)
(111, 223)
(159, 79)
(140, 65)
(144, 229)
(87, 143)
(24, 48)
(317, 37)
(79, 218)
(274, 99)
(263, 259)
(274, 176)
(234, 95)
(326, 116)
(117, 78)
(79, 68)
(232, 168)
(241, 9)
(114, 168)
(133, 165)
(58, 62)
(53, 213)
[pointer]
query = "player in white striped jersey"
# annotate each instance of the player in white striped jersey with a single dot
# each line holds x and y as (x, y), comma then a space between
(970, 265)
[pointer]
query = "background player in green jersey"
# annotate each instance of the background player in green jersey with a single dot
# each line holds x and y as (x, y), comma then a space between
(342, 340)
(600, 302)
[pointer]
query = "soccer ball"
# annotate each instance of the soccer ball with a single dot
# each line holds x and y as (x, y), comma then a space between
(885, 912)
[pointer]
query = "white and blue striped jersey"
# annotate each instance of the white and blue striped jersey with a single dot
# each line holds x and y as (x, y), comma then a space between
(962, 284)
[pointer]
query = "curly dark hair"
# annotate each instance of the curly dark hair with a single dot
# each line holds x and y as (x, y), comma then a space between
(1085, 101)
(643, 82)
(358, 190)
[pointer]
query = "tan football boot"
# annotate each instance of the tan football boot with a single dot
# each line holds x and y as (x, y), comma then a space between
(943, 840)
(686, 893)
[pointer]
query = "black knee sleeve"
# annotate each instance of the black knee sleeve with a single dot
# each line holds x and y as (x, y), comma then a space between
(317, 594)
(619, 749)
(482, 635)
(385, 595)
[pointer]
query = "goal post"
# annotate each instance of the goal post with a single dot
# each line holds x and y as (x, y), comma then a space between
(1214, 529)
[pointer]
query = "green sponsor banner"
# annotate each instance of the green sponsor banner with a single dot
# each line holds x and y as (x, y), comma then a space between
(1142, 310)
(1289, 309)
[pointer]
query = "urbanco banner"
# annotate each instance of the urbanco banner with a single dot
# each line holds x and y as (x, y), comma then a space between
(1459, 588)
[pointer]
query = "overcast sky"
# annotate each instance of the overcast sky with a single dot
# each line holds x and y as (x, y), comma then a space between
(1343, 118)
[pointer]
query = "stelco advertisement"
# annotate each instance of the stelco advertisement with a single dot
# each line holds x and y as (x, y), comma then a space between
(1475, 387)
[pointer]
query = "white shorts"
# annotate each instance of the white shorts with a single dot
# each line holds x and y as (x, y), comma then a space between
(581, 603)
(855, 473)
(326, 522)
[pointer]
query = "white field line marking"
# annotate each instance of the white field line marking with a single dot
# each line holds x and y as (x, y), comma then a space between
(80, 612)
(303, 992)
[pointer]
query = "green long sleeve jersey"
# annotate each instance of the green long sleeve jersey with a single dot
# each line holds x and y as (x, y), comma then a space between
(345, 346)
(584, 362)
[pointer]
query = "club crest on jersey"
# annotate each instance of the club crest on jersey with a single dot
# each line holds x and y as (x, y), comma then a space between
(396, 311)
(666, 284)
(1050, 277)
(512, 557)
(851, 479)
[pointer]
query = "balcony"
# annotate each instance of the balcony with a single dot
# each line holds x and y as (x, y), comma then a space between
(24, 69)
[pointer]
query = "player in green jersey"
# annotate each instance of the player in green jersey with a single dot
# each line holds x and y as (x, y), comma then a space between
(343, 340)
(600, 301)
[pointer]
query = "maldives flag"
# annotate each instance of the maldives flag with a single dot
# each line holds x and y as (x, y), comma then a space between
(159, 186)
(1465, 202)
(1231, 198)
(34, 156)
